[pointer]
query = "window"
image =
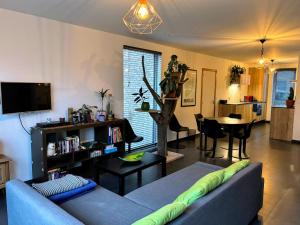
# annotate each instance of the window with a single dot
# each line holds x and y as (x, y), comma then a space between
(142, 123)
(282, 82)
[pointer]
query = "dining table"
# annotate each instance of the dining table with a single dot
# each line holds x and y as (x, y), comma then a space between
(231, 124)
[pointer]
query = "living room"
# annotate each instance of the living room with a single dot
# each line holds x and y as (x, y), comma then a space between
(82, 48)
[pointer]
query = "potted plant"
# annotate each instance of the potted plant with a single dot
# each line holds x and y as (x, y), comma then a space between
(101, 114)
(140, 97)
(290, 101)
(102, 95)
(169, 85)
(235, 74)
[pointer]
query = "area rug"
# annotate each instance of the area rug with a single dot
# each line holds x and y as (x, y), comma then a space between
(172, 156)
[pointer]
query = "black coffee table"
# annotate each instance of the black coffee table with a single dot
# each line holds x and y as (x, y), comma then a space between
(122, 169)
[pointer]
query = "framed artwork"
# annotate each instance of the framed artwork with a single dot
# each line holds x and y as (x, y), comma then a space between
(188, 96)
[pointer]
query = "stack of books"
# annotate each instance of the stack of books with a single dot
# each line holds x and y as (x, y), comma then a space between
(114, 135)
(69, 144)
(95, 153)
(56, 173)
(110, 149)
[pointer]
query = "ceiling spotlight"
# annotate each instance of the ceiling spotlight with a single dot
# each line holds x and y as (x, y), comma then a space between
(142, 18)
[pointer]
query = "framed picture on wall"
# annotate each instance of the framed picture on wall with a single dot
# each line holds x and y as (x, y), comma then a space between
(188, 96)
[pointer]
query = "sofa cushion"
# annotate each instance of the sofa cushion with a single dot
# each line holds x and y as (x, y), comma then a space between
(236, 202)
(170, 186)
(103, 207)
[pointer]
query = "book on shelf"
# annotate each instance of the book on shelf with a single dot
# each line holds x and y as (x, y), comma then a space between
(114, 135)
(69, 144)
(110, 149)
(95, 153)
(56, 173)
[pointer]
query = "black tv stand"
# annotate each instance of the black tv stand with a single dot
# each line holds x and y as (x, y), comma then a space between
(52, 124)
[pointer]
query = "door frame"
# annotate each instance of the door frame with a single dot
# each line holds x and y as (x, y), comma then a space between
(215, 92)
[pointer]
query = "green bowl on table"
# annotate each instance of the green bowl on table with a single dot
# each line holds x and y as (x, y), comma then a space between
(135, 157)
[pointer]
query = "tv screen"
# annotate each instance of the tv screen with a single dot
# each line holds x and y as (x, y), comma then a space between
(25, 97)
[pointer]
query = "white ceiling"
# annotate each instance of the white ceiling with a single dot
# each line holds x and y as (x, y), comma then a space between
(223, 28)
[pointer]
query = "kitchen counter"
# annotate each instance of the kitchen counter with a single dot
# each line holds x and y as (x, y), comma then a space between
(249, 110)
(282, 120)
(243, 103)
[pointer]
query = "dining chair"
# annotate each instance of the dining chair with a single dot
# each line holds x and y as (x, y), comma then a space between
(198, 118)
(174, 125)
(243, 136)
(130, 136)
(212, 129)
(235, 116)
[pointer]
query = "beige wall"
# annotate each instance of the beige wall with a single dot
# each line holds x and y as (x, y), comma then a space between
(296, 132)
(77, 61)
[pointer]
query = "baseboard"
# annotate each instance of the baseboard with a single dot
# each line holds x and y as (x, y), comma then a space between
(261, 122)
(295, 142)
(187, 138)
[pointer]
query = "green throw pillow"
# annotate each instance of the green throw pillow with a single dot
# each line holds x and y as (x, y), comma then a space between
(206, 184)
(163, 215)
(234, 168)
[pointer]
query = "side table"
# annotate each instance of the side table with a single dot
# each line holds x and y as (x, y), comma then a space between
(4, 171)
(122, 169)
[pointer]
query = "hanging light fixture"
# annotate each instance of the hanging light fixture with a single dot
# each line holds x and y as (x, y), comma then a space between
(261, 61)
(142, 18)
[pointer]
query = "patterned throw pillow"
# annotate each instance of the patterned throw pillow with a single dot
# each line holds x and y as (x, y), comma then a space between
(66, 183)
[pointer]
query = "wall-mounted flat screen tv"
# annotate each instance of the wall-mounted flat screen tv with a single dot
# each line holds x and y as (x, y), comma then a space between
(25, 97)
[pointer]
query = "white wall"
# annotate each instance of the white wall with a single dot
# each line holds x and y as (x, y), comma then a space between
(77, 61)
(296, 131)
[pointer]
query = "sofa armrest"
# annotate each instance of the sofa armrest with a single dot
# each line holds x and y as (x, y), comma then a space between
(27, 206)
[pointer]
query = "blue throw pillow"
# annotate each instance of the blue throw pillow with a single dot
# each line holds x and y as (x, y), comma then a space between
(64, 196)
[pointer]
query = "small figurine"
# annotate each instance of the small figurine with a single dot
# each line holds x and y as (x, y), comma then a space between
(51, 149)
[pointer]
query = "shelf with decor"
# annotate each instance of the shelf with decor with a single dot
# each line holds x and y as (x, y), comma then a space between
(62, 148)
(147, 111)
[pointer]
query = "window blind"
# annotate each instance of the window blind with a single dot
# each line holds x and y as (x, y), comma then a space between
(142, 123)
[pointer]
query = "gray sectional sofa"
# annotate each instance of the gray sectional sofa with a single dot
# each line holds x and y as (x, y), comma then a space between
(236, 202)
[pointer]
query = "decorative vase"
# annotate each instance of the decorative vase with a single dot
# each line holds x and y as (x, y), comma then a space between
(101, 116)
(145, 106)
(290, 103)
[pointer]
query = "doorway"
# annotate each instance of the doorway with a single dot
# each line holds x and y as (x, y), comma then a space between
(208, 92)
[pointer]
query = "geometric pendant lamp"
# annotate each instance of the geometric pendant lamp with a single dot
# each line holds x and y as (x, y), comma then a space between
(142, 18)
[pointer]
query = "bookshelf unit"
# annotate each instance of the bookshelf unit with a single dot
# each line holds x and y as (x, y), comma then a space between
(40, 137)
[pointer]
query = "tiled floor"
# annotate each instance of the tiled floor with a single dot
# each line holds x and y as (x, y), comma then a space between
(281, 171)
